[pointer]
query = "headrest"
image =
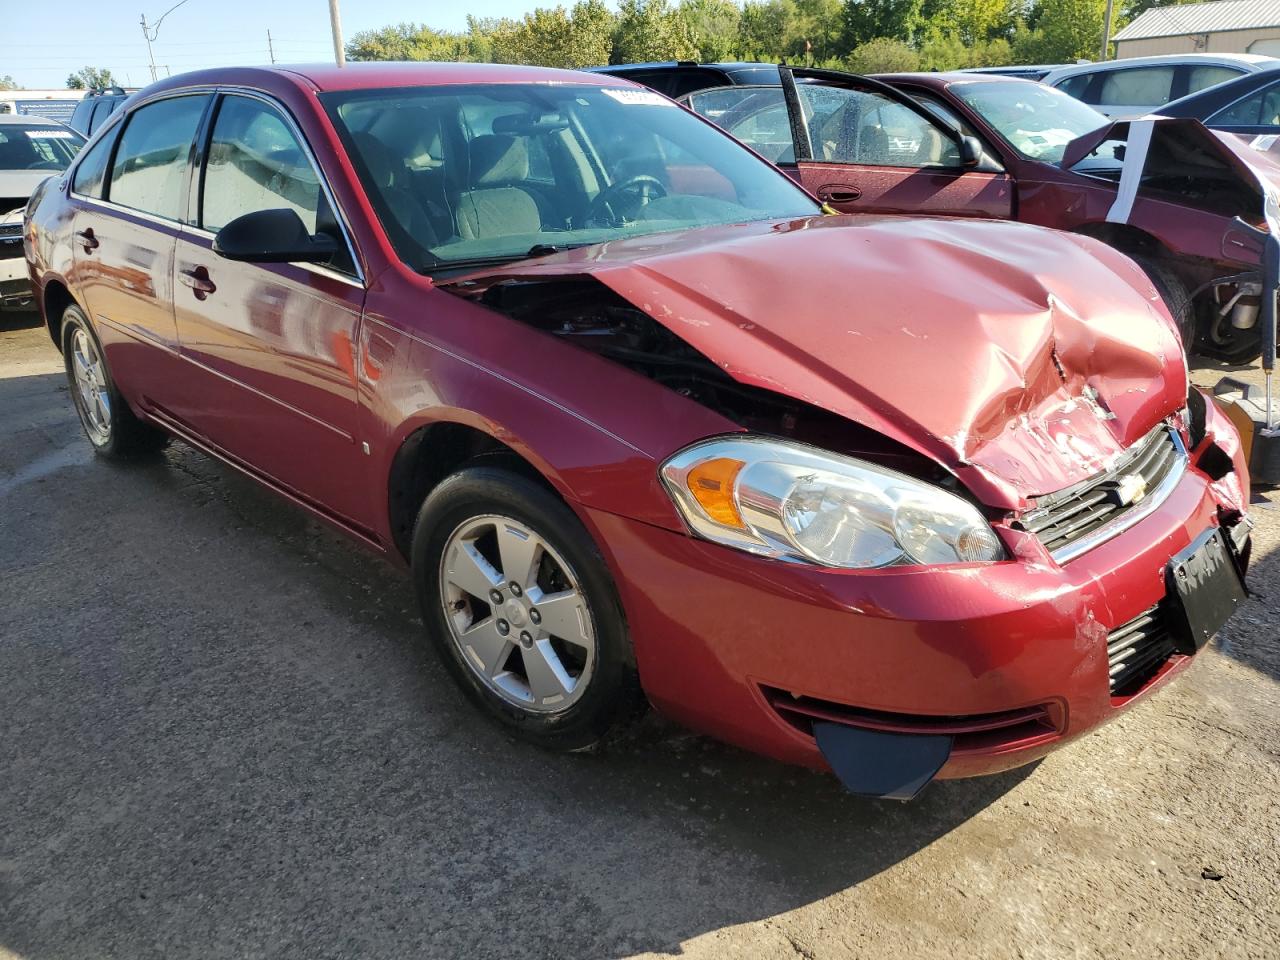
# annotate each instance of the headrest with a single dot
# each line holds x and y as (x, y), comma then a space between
(527, 124)
(379, 159)
(498, 159)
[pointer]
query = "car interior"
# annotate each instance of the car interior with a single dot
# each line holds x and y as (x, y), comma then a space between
(481, 173)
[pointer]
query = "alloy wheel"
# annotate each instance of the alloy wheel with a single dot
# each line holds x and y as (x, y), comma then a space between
(517, 614)
(90, 377)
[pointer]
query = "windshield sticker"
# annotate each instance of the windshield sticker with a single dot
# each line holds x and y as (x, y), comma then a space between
(646, 97)
(49, 134)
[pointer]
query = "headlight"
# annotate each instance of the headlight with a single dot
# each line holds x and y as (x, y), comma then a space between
(797, 502)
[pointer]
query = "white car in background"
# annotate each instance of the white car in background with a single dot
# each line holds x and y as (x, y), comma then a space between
(32, 149)
(1121, 88)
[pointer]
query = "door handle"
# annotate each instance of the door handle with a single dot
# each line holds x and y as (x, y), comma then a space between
(198, 280)
(87, 239)
(839, 193)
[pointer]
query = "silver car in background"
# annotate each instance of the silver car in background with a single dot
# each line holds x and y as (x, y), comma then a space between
(32, 149)
(1138, 85)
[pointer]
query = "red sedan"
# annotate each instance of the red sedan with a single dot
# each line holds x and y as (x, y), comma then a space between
(909, 498)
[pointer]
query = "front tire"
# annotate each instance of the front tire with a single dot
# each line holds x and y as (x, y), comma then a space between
(1177, 297)
(521, 608)
(112, 428)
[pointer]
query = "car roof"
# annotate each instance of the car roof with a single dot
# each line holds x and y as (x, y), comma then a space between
(1250, 61)
(329, 78)
(29, 119)
(674, 64)
(948, 77)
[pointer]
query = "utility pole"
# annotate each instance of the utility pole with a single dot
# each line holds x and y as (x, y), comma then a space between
(151, 31)
(271, 52)
(150, 56)
(1106, 32)
(335, 21)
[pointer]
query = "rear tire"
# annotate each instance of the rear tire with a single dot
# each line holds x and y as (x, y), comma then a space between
(111, 426)
(520, 606)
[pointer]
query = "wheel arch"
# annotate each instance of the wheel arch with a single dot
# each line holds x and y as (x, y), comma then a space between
(1126, 238)
(54, 300)
(429, 452)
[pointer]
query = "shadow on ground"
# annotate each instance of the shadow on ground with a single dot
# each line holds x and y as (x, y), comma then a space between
(225, 738)
(19, 320)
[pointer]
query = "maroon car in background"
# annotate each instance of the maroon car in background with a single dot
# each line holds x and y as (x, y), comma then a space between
(1190, 210)
(906, 497)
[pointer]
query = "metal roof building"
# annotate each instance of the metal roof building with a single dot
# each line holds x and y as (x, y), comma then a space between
(1225, 26)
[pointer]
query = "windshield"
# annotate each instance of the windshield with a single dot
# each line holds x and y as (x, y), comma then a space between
(496, 172)
(31, 146)
(1035, 120)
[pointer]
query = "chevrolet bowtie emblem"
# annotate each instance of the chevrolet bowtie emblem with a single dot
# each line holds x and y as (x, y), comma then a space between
(1131, 488)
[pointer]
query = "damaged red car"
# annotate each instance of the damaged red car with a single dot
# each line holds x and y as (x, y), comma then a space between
(904, 498)
(1188, 204)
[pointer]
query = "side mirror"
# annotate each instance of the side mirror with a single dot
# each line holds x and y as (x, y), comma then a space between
(272, 236)
(970, 151)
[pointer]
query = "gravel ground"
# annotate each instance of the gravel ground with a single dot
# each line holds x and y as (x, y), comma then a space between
(222, 737)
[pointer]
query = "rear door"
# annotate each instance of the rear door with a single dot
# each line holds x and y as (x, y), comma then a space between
(859, 145)
(272, 345)
(130, 192)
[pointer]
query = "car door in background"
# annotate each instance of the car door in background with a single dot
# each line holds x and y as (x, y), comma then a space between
(130, 192)
(272, 344)
(859, 146)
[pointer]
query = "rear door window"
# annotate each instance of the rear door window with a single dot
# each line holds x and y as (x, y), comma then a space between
(757, 116)
(1137, 87)
(1199, 78)
(150, 169)
(1077, 86)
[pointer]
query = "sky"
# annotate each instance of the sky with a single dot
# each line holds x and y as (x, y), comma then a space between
(45, 40)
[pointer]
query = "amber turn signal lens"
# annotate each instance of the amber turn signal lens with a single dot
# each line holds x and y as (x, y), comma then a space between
(711, 483)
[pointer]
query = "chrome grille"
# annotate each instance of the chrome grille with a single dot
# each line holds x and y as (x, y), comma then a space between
(1073, 520)
(10, 240)
(1138, 649)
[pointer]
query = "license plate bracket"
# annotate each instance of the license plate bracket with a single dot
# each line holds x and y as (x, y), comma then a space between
(1205, 586)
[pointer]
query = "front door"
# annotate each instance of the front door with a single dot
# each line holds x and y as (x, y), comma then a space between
(273, 345)
(860, 146)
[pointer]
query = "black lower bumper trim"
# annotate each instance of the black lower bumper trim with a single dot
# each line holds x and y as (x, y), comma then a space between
(871, 763)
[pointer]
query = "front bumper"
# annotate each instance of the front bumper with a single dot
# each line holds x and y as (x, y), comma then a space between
(1010, 658)
(15, 285)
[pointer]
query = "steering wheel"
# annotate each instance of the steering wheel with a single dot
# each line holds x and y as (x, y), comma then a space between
(43, 165)
(641, 188)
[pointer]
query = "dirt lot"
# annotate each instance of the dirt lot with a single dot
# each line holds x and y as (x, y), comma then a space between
(220, 736)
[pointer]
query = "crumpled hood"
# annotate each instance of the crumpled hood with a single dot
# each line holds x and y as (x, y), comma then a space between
(1021, 358)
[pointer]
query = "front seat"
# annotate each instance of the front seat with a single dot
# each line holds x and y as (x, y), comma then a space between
(494, 205)
(388, 175)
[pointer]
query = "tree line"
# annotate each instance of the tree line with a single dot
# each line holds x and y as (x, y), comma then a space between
(865, 36)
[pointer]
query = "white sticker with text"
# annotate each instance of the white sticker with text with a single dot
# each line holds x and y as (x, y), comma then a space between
(646, 97)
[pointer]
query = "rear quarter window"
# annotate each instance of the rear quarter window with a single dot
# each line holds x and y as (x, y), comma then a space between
(91, 171)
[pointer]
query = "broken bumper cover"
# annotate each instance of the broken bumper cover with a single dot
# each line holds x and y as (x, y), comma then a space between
(993, 665)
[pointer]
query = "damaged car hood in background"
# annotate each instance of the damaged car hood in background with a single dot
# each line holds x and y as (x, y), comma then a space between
(1256, 166)
(1022, 359)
